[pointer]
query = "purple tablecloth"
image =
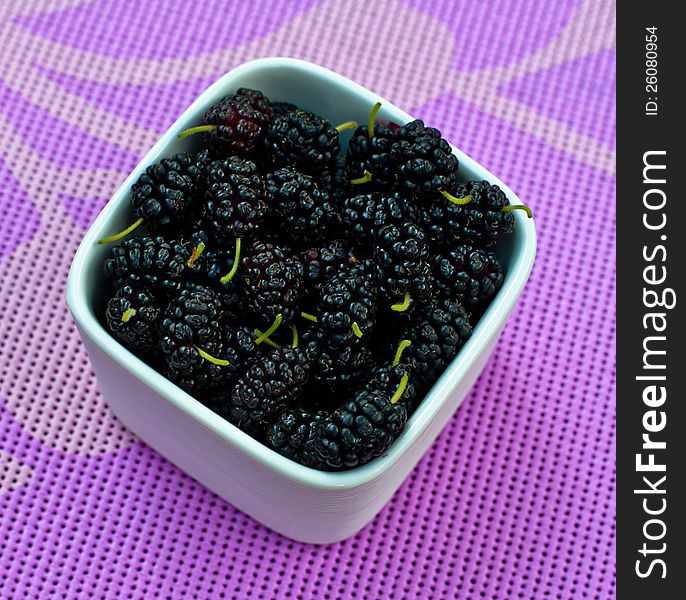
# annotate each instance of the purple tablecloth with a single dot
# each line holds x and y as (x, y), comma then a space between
(514, 500)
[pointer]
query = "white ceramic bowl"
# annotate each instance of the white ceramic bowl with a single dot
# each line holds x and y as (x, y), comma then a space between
(298, 502)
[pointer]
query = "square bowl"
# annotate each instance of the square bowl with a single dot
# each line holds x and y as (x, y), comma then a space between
(301, 503)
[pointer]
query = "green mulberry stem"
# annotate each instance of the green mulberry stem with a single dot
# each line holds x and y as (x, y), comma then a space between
(356, 329)
(216, 361)
(401, 389)
(128, 313)
(194, 130)
(308, 316)
(510, 207)
(195, 254)
(294, 329)
(272, 328)
(404, 305)
(364, 179)
(372, 118)
(466, 200)
(229, 276)
(267, 341)
(399, 352)
(122, 234)
(346, 125)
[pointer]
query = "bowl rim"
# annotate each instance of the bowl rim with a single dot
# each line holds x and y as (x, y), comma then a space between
(488, 326)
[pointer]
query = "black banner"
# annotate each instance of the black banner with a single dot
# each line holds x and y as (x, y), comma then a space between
(651, 252)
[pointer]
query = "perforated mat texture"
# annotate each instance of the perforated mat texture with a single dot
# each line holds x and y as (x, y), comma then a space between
(516, 497)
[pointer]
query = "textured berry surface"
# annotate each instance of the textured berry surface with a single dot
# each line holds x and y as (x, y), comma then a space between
(480, 222)
(348, 297)
(132, 315)
(365, 214)
(241, 121)
(360, 429)
(402, 255)
(281, 108)
(295, 204)
(270, 382)
(335, 367)
(334, 178)
(323, 262)
(190, 371)
(167, 190)
(234, 198)
(388, 378)
(210, 266)
(293, 434)
(303, 140)
(199, 171)
(373, 155)
(209, 269)
(470, 275)
(147, 261)
(423, 161)
(273, 283)
(438, 331)
(257, 100)
(191, 318)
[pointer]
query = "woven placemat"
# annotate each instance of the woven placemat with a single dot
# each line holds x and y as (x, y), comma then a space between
(516, 497)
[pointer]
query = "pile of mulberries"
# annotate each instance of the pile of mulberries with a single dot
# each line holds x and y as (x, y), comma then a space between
(307, 281)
